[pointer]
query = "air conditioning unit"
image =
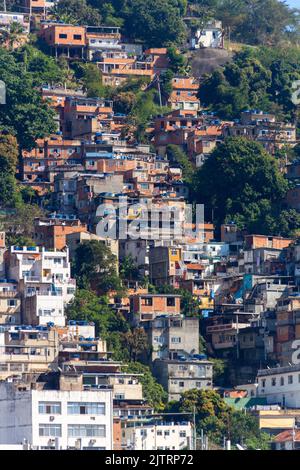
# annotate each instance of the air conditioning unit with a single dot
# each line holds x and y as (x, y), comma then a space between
(51, 418)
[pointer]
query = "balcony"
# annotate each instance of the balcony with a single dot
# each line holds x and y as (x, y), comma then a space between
(8, 294)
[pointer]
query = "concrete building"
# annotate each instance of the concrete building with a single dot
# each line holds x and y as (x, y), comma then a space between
(149, 306)
(210, 36)
(171, 336)
(27, 349)
(10, 302)
(280, 386)
(162, 264)
(64, 39)
(157, 436)
(179, 376)
(51, 232)
(66, 418)
(45, 283)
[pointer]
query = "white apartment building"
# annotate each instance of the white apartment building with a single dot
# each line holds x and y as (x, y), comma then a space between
(10, 302)
(160, 436)
(45, 283)
(56, 419)
(280, 385)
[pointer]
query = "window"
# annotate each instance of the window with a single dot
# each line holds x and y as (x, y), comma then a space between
(182, 434)
(148, 301)
(181, 384)
(176, 339)
(50, 430)
(167, 433)
(63, 36)
(274, 382)
(15, 367)
(263, 383)
(12, 303)
(281, 381)
(49, 408)
(290, 379)
(159, 433)
(170, 302)
(77, 36)
(92, 408)
(86, 430)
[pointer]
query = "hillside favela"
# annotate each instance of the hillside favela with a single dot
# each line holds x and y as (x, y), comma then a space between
(149, 225)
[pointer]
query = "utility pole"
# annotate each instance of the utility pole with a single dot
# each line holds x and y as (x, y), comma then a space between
(4, 5)
(159, 91)
(194, 429)
(237, 337)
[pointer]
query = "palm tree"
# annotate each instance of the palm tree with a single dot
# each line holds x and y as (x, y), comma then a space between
(15, 31)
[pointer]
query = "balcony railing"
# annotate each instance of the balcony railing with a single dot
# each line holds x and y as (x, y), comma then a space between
(8, 294)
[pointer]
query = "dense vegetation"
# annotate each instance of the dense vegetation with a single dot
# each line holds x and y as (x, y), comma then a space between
(218, 420)
(24, 115)
(241, 182)
(257, 78)
(161, 22)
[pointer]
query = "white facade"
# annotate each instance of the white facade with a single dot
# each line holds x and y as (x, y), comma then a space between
(45, 283)
(280, 386)
(161, 436)
(56, 419)
(209, 36)
(7, 18)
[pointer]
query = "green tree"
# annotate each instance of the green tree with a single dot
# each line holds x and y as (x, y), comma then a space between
(11, 37)
(266, 22)
(220, 372)
(189, 305)
(241, 182)
(87, 306)
(95, 267)
(155, 22)
(128, 269)
(178, 61)
(41, 67)
(135, 341)
(92, 81)
(9, 195)
(176, 155)
(24, 115)
(218, 420)
(153, 392)
(259, 78)
(76, 12)
(19, 227)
